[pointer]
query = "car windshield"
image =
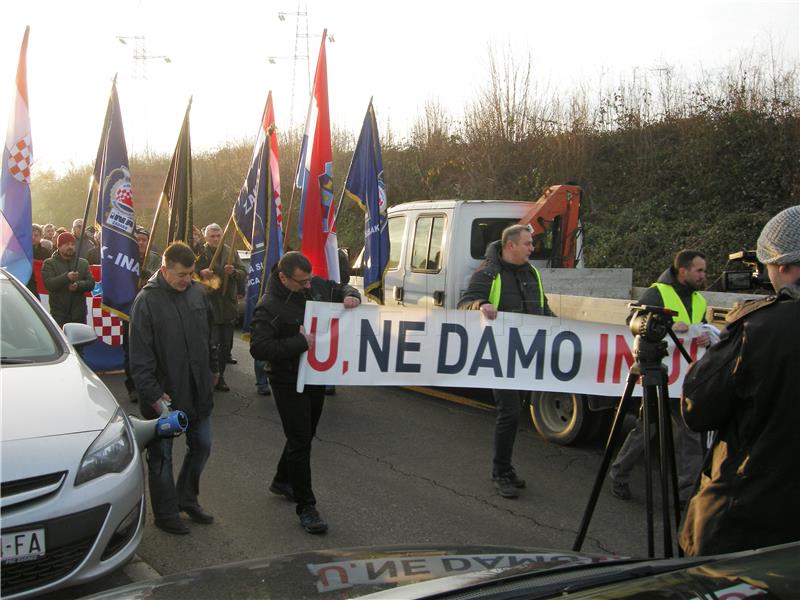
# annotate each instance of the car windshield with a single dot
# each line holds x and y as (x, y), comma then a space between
(24, 336)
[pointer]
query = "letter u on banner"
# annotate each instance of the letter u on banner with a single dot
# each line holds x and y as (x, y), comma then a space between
(333, 351)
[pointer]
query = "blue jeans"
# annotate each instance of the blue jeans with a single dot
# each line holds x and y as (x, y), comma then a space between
(509, 407)
(166, 497)
(260, 367)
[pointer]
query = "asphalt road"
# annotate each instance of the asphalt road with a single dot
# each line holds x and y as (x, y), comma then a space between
(390, 466)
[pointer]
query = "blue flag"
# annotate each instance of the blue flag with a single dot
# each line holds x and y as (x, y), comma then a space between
(119, 253)
(257, 212)
(16, 240)
(365, 186)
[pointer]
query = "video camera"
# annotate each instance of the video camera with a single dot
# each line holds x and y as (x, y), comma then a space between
(752, 275)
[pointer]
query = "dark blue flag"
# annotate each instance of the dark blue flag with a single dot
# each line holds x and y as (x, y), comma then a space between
(365, 186)
(257, 212)
(119, 253)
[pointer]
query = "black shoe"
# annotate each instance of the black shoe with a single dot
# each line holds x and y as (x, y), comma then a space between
(198, 515)
(311, 521)
(263, 390)
(505, 486)
(621, 490)
(512, 475)
(280, 488)
(232, 361)
(172, 525)
(222, 386)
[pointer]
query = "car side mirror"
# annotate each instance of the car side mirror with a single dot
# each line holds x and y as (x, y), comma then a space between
(79, 334)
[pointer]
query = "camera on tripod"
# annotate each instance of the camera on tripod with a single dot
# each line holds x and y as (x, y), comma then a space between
(651, 323)
(750, 274)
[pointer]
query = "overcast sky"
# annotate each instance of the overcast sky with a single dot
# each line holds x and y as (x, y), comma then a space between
(402, 53)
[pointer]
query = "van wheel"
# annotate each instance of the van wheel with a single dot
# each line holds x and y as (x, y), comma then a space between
(558, 417)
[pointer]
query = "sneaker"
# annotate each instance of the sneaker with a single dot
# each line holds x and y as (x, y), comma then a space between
(222, 386)
(263, 390)
(311, 521)
(172, 525)
(621, 490)
(280, 488)
(505, 486)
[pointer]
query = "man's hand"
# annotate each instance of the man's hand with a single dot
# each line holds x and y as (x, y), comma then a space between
(206, 273)
(489, 311)
(351, 302)
(704, 340)
(72, 287)
(228, 269)
(73, 275)
(161, 406)
(309, 337)
(680, 327)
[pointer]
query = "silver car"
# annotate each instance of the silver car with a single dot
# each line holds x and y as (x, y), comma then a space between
(72, 478)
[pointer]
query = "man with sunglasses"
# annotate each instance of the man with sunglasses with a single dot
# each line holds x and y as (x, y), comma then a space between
(507, 282)
(278, 337)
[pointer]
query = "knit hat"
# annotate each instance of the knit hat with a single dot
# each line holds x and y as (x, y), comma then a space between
(779, 242)
(64, 238)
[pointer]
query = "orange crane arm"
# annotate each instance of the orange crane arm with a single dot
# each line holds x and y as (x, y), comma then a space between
(560, 204)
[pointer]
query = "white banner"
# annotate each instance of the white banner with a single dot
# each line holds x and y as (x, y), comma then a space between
(378, 345)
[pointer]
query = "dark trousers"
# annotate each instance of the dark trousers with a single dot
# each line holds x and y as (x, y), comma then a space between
(509, 407)
(166, 496)
(223, 337)
(126, 328)
(300, 414)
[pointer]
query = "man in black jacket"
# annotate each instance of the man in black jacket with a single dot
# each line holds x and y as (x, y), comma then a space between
(507, 282)
(174, 365)
(279, 338)
(745, 387)
(67, 280)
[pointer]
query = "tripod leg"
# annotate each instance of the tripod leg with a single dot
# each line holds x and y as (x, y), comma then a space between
(647, 397)
(613, 443)
(668, 458)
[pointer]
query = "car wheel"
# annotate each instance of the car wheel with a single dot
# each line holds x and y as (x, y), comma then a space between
(559, 417)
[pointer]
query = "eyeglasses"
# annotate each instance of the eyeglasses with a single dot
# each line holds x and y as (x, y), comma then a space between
(304, 282)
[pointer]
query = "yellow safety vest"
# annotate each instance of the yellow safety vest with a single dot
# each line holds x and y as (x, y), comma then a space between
(494, 291)
(673, 302)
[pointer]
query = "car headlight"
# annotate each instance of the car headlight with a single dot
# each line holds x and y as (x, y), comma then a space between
(111, 452)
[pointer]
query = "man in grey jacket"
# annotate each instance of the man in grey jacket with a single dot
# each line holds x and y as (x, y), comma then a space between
(174, 365)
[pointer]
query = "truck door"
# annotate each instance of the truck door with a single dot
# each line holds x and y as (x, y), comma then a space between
(424, 278)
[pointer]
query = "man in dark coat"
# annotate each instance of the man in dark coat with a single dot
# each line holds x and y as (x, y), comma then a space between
(507, 282)
(174, 365)
(279, 338)
(66, 282)
(229, 277)
(745, 387)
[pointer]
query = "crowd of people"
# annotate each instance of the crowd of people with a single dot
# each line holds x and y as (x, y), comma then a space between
(739, 493)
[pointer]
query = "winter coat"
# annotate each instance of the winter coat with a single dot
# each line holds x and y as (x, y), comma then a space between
(520, 290)
(276, 336)
(170, 347)
(746, 387)
(66, 306)
(223, 306)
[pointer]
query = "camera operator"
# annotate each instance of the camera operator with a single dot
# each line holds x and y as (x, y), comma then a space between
(746, 387)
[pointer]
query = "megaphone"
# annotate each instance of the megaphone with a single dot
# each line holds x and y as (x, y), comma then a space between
(171, 425)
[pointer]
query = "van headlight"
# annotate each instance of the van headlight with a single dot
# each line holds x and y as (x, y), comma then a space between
(111, 452)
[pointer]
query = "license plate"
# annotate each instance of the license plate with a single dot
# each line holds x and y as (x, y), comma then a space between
(22, 545)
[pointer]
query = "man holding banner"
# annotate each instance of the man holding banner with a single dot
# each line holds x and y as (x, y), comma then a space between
(279, 338)
(507, 282)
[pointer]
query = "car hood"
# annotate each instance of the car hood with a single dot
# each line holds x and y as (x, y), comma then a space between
(343, 573)
(58, 398)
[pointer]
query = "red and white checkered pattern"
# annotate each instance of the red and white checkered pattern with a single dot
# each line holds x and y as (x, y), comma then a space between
(108, 327)
(19, 163)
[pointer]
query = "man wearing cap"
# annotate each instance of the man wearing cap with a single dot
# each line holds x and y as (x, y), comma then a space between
(150, 264)
(745, 387)
(86, 242)
(67, 281)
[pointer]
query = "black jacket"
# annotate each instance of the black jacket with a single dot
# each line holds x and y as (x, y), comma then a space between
(276, 336)
(746, 387)
(519, 286)
(170, 347)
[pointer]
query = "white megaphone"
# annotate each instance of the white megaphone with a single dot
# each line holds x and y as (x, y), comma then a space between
(169, 425)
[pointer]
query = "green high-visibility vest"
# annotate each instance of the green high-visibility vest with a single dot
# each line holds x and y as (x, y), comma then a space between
(673, 302)
(494, 291)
